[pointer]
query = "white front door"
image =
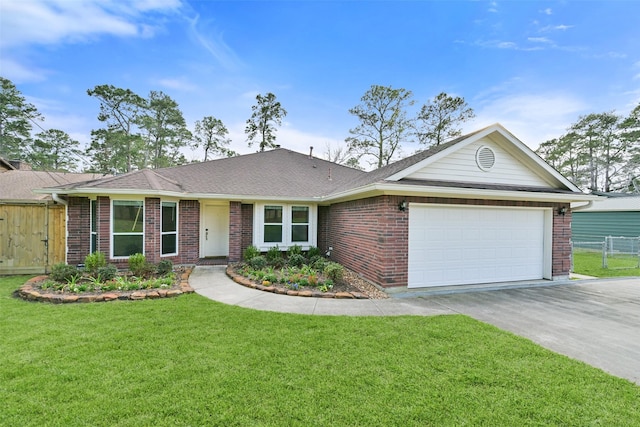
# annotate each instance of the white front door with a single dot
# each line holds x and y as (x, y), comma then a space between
(215, 231)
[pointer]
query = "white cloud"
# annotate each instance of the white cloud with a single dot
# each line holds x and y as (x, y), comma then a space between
(547, 11)
(539, 40)
(20, 73)
(55, 21)
(533, 118)
(214, 44)
(178, 83)
(555, 28)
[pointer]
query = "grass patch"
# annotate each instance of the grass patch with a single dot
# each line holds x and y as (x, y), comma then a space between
(590, 264)
(193, 361)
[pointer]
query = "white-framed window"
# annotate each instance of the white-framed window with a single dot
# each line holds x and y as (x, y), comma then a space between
(94, 225)
(127, 228)
(169, 231)
(284, 225)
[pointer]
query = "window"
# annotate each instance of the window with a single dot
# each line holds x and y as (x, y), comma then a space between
(299, 223)
(273, 224)
(127, 227)
(94, 226)
(284, 225)
(169, 228)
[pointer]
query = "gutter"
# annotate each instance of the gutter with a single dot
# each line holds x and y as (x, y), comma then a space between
(57, 199)
(583, 207)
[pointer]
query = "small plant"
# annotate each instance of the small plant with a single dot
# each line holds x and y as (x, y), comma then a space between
(249, 253)
(164, 267)
(62, 272)
(139, 266)
(296, 260)
(294, 250)
(326, 286)
(313, 252)
(93, 262)
(334, 271)
(317, 262)
(108, 272)
(258, 262)
(274, 256)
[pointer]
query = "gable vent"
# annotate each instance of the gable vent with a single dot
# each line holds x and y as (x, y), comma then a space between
(485, 158)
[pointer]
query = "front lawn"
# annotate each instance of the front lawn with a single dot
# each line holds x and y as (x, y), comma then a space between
(193, 361)
(590, 263)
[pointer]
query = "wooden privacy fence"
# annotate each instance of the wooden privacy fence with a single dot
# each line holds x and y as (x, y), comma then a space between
(32, 237)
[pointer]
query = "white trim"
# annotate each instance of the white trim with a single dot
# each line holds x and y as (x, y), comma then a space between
(177, 232)
(258, 226)
(111, 234)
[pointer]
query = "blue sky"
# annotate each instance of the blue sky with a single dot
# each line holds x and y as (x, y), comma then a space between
(535, 67)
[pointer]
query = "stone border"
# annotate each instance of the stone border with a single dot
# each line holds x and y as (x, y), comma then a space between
(244, 281)
(27, 292)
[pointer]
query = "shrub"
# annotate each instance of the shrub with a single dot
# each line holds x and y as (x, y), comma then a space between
(296, 260)
(294, 250)
(333, 271)
(62, 272)
(258, 262)
(139, 266)
(249, 253)
(317, 262)
(274, 256)
(107, 272)
(93, 262)
(164, 267)
(313, 252)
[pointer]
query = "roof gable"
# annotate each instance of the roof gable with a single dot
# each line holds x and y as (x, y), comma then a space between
(514, 163)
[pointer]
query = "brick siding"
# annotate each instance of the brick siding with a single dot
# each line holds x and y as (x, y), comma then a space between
(78, 229)
(247, 227)
(370, 235)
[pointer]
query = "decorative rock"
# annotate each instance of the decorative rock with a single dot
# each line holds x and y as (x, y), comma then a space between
(305, 293)
(110, 297)
(86, 298)
(281, 291)
(328, 295)
(292, 293)
(173, 293)
(359, 295)
(153, 295)
(33, 295)
(138, 295)
(269, 289)
(260, 287)
(317, 294)
(162, 293)
(344, 295)
(70, 298)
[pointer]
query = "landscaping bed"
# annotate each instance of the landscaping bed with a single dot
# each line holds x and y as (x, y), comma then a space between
(99, 282)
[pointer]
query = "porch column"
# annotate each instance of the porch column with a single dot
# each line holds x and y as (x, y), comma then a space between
(235, 231)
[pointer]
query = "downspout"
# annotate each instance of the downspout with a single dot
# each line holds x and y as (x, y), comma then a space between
(57, 199)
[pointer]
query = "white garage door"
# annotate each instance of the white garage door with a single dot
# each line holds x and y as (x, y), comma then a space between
(468, 245)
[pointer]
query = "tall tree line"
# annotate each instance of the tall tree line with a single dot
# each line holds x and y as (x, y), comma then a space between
(599, 152)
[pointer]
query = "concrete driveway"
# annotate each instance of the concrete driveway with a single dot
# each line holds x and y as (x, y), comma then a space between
(597, 322)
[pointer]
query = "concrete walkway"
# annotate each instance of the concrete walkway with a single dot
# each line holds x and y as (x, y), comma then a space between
(595, 321)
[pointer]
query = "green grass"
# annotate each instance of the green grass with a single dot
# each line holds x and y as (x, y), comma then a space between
(192, 361)
(590, 264)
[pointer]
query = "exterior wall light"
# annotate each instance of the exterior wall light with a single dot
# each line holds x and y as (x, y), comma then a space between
(402, 206)
(562, 210)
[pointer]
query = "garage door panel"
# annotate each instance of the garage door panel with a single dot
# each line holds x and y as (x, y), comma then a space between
(468, 245)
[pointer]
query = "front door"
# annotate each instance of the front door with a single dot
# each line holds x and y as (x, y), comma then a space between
(215, 231)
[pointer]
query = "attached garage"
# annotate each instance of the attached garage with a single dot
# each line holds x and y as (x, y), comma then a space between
(462, 245)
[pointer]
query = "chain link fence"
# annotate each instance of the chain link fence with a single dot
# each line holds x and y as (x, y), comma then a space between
(615, 252)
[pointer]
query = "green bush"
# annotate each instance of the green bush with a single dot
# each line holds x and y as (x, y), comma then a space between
(249, 253)
(294, 250)
(296, 260)
(107, 272)
(139, 266)
(334, 271)
(93, 262)
(274, 257)
(258, 262)
(62, 272)
(164, 267)
(313, 252)
(318, 262)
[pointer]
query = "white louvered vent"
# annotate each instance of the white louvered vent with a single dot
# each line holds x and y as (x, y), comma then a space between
(485, 158)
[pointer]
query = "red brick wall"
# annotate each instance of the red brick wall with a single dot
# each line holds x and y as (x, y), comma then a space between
(370, 236)
(188, 232)
(235, 231)
(324, 215)
(247, 227)
(103, 225)
(152, 229)
(78, 230)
